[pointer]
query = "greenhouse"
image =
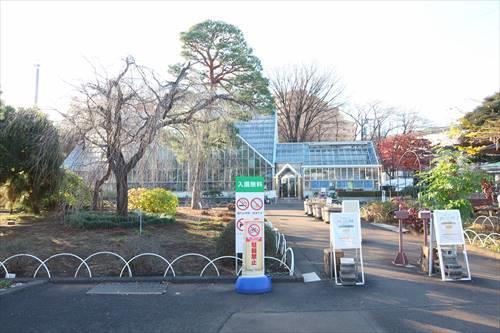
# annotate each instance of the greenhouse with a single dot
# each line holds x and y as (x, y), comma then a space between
(290, 169)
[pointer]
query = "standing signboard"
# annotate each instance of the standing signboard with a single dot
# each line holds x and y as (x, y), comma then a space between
(345, 231)
(350, 206)
(449, 229)
(249, 206)
(345, 234)
(249, 232)
(253, 256)
(446, 229)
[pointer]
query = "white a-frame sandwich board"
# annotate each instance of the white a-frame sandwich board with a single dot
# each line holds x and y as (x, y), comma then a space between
(350, 206)
(446, 225)
(345, 234)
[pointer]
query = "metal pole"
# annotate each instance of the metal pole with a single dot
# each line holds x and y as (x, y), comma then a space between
(401, 259)
(430, 253)
(140, 223)
(37, 76)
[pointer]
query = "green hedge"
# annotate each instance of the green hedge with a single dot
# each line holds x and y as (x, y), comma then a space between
(353, 194)
(108, 220)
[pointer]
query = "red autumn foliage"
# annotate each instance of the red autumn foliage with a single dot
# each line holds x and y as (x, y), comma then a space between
(399, 152)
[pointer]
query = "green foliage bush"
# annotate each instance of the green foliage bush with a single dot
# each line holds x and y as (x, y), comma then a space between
(410, 191)
(108, 220)
(134, 197)
(449, 184)
(72, 192)
(30, 154)
(4, 284)
(226, 242)
(156, 200)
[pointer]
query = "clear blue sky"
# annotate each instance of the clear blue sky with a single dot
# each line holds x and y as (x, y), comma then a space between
(437, 58)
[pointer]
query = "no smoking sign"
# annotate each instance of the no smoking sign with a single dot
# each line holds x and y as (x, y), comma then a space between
(242, 204)
(257, 203)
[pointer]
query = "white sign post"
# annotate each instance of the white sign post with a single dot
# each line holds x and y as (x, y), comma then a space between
(345, 234)
(249, 235)
(249, 206)
(446, 226)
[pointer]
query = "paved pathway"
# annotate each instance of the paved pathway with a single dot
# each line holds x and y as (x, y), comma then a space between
(393, 299)
(309, 236)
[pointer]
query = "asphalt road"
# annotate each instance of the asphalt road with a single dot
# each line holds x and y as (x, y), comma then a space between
(393, 300)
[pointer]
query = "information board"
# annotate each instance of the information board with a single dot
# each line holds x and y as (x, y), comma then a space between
(448, 227)
(345, 231)
(249, 205)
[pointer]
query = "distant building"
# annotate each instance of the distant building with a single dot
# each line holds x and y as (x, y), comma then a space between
(290, 169)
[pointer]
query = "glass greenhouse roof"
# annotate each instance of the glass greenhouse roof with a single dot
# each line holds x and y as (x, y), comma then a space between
(260, 134)
(83, 159)
(327, 153)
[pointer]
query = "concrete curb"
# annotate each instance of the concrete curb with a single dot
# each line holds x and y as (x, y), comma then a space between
(178, 279)
(28, 284)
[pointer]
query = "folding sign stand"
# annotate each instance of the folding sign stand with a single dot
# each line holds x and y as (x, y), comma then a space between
(345, 234)
(350, 206)
(249, 236)
(447, 234)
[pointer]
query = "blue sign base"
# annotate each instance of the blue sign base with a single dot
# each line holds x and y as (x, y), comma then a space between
(253, 284)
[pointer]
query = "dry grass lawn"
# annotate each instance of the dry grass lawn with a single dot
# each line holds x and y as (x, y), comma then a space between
(44, 236)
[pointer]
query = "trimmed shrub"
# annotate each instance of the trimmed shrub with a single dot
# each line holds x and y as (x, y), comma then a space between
(226, 241)
(379, 212)
(156, 200)
(354, 194)
(134, 197)
(108, 220)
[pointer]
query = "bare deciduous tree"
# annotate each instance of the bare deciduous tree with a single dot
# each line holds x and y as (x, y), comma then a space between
(375, 121)
(123, 114)
(306, 99)
(408, 122)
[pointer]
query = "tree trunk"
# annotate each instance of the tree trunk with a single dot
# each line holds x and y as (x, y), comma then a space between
(34, 198)
(35, 204)
(121, 192)
(97, 187)
(197, 180)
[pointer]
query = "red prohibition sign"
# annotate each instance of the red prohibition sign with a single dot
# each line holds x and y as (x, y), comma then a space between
(242, 203)
(240, 224)
(256, 203)
(254, 230)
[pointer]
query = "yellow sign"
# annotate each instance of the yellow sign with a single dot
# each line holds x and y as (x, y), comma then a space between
(253, 255)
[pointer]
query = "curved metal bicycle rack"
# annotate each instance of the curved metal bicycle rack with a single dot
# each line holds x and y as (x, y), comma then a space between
(483, 238)
(190, 255)
(147, 255)
(217, 259)
(63, 255)
(42, 263)
(101, 253)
